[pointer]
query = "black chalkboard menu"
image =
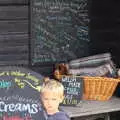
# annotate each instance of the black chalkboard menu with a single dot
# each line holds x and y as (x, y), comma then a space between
(59, 30)
(73, 86)
(19, 94)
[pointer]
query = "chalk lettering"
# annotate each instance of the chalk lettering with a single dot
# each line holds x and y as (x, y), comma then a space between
(74, 84)
(5, 84)
(19, 107)
(32, 78)
(72, 91)
(17, 73)
(70, 101)
(2, 73)
(69, 79)
(68, 96)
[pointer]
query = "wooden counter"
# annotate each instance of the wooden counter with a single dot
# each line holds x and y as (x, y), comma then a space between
(88, 108)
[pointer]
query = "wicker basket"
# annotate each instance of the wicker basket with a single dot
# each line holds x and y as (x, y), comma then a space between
(99, 88)
(96, 88)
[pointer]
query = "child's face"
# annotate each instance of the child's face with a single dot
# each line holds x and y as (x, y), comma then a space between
(51, 101)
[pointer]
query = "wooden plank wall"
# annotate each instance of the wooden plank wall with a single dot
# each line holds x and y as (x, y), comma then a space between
(14, 32)
(14, 35)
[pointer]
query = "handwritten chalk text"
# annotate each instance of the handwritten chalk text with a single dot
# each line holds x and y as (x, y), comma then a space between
(12, 107)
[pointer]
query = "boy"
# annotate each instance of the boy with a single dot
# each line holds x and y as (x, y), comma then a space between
(52, 94)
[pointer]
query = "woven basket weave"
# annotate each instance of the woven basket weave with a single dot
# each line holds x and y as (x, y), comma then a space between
(99, 88)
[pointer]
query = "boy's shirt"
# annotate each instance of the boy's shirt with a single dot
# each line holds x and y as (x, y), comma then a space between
(58, 116)
(61, 115)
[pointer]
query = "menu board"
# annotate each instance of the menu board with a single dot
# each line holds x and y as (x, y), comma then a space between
(19, 94)
(59, 30)
(73, 90)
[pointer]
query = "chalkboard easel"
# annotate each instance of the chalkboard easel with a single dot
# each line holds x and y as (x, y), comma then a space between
(20, 94)
(73, 86)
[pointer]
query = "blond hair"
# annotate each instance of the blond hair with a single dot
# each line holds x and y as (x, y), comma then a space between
(53, 86)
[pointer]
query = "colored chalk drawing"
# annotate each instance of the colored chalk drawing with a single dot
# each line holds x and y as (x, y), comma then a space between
(20, 82)
(19, 94)
(4, 84)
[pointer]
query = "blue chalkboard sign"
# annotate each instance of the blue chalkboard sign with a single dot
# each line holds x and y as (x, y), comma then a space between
(19, 94)
(59, 30)
(73, 86)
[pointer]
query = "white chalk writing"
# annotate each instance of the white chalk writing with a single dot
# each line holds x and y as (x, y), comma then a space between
(12, 107)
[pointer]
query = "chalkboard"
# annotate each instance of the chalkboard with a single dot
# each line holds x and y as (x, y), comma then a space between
(73, 90)
(19, 94)
(59, 30)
